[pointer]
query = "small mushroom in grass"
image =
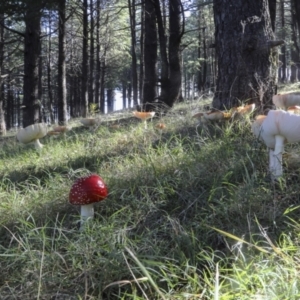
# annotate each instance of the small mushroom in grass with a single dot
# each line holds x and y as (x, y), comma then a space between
(294, 109)
(89, 122)
(276, 129)
(58, 130)
(144, 116)
(160, 126)
(212, 116)
(61, 129)
(243, 111)
(85, 192)
(32, 134)
(284, 101)
(53, 133)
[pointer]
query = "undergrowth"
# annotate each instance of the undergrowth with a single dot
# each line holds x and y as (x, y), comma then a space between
(191, 214)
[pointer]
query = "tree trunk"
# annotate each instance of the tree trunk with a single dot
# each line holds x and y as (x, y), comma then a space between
(294, 47)
(297, 13)
(247, 55)
(98, 61)
(134, 77)
(102, 84)
(174, 86)
(150, 54)
(62, 90)
(163, 41)
(92, 54)
(84, 69)
(141, 79)
(49, 81)
(272, 9)
(282, 56)
(110, 100)
(32, 47)
(2, 112)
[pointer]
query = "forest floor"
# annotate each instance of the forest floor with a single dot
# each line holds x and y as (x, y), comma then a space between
(191, 213)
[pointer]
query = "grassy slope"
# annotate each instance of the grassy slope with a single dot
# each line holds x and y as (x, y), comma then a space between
(154, 236)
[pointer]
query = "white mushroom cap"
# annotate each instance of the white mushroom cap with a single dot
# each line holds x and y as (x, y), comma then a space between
(32, 133)
(281, 123)
(256, 125)
(286, 100)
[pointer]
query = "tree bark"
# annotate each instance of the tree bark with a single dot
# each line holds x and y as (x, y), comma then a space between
(282, 56)
(247, 55)
(174, 86)
(134, 77)
(32, 47)
(272, 9)
(62, 90)
(98, 61)
(92, 54)
(297, 13)
(2, 111)
(84, 68)
(150, 54)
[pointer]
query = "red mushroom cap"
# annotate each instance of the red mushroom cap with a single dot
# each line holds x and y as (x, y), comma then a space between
(87, 190)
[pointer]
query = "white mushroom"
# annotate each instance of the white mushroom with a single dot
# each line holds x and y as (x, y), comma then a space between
(276, 129)
(284, 101)
(32, 134)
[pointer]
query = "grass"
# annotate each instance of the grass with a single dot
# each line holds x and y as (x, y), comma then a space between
(191, 214)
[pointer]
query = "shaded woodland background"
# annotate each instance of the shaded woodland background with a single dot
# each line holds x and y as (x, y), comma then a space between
(65, 59)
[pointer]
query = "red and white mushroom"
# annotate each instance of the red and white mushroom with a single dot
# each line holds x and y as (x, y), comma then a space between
(85, 192)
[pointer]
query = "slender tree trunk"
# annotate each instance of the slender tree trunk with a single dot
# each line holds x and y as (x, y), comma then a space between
(32, 47)
(62, 89)
(295, 52)
(98, 60)
(84, 69)
(142, 41)
(102, 85)
(297, 13)
(272, 9)
(163, 41)
(10, 104)
(174, 86)
(282, 56)
(124, 86)
(110, 100)
(150, 54)
(247, 54)
(92, 54)
(134, 77)
(40, 89)
(49, 81)
(2, 112)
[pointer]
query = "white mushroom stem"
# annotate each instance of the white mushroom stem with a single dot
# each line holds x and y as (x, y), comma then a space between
(275, 157)
(38, 144)
(86, 212)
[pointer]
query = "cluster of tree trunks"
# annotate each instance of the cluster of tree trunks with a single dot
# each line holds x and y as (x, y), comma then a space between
(246, 50)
